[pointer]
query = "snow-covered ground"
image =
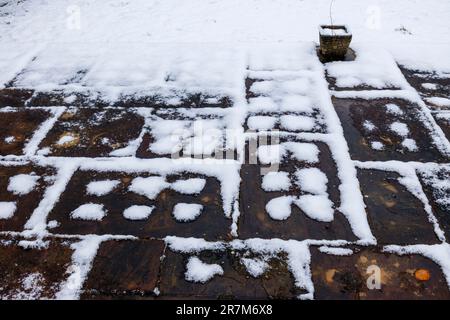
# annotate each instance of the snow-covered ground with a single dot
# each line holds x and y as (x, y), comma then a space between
(174, 48)
(200, 43)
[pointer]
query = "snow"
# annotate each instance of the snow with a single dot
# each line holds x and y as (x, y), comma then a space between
(9, 139)
(410, 145)
(312, 180)
(369, 126)
(66, 139)
(333, 32)
(186, 212)
(89, 211)
(297, 123)
(189, 186)
(102, 187)
(430, 86)
(271, 153)
(82, 259)
(22, 184)
(394, 109)
(296, 103)
(276, 181)
(377, 145)
(279, 208)
(198, 271)
(336, 251)
(399, 128)
(304, 152)
(317, 207)
(7, 209)
(438, 101)
(149, 187)
(138, 212)
(261, 123)
(255, 267)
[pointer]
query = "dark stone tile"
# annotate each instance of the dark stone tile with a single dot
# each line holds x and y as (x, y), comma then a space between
(25, 203)
(236, 283)
(20, 124)
(124, 269)
(345, 277)
(94, 132)
(254, 221)
(395, 215)
(32, 273)
(211, 224)
(354, 112)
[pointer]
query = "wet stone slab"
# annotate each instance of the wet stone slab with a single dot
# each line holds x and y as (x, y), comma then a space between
(14, 97)
(86, 132)
(210, 224)
(17, 127)
(394, 214)
(436, 184)
(375, 132)
(255, 220)
(23, 199)
(428, 84)
(235, 283)
(32, 273)
(183, 133)
(125, 269)
(345, 277)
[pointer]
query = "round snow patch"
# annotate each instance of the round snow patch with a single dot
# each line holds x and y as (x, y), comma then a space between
(22, 183)
(100, 188)
(138, 212)
(89, 211)
(185, 212)
(7, 209)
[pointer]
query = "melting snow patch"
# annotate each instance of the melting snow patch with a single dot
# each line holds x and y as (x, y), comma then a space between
(65, 140)
(185, 212)
(394, 109)
(7, 209)
(189, 186)
(438, 101)
(100, 188)
(138, 212)
(197, 271)
(312, 180)
(276, 181)
(317, 207)
(149, 187)
(377, 145)
(410, 145)
(9, 139)
(307, 152)
(430, 86)
(89, 211)
(336, 251)
(297, 123)
(22, 183)
(261, 123)
(400, 128)
(279, 208)
(369, 126)
(255, 267)
(270, 154)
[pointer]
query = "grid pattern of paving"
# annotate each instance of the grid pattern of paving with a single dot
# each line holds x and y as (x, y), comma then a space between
(379, 161)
